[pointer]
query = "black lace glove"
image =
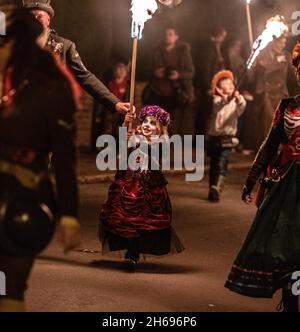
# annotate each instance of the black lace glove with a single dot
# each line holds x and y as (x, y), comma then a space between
(247, 189)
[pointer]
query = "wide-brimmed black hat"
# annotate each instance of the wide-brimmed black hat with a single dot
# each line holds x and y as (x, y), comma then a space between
(26, 225)
(44, 5)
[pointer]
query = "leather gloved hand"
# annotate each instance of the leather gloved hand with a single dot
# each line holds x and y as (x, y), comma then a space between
(124, 108)
(247, 190)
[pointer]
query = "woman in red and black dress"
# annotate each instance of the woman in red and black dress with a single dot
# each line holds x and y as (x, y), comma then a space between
(271, 252)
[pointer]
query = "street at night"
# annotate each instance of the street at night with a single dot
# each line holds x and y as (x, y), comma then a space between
(149, 161)
(193, 281)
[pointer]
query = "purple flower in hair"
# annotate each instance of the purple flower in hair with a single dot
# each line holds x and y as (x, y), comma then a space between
(161, 115)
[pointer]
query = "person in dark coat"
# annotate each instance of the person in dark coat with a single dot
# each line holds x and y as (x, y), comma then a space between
(212, 61)
(214, 58)
(172, 84)
(37, 109)
(271, 72)
(44, 12)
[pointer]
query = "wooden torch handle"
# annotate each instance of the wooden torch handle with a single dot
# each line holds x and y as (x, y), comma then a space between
(133, 77)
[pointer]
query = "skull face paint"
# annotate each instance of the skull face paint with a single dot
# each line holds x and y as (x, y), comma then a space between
(149, 127)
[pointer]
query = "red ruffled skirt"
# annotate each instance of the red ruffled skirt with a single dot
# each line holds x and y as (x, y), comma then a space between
(138, 209)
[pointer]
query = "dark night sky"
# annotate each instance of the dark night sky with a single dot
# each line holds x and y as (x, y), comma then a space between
(101, 28)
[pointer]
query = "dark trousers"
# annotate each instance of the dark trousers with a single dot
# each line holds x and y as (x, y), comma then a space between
(219, 159)
(17, 271)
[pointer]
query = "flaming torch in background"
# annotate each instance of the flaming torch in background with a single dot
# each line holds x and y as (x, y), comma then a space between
(276, 27)
(249, 22)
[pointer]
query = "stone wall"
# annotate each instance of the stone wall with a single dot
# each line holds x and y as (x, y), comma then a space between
(84, 121)
(84, 117)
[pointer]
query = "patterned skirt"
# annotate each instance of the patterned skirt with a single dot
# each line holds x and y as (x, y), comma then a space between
(271, 251)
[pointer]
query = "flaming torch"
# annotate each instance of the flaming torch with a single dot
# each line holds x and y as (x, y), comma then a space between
(142, 11)
(249, 21)
(275, 28)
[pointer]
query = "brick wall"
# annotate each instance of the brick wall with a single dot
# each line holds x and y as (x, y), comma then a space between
(84, 121)
(84, 117)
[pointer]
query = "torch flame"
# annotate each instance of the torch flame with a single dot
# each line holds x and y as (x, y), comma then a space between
(142, 11)
(275, 28)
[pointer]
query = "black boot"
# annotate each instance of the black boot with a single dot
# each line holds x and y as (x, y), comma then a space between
(216, 190)
(213, 195)
(131, 262)
(132, 256)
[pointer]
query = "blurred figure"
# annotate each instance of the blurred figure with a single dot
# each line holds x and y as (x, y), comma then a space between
(119, 84)
(214, 53)
(235, 61)
(270, 74)
(172, 86)
(37, 108)
(212, 61)
(105, 121)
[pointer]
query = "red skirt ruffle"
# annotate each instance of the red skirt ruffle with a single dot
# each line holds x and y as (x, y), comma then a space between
(135, 206)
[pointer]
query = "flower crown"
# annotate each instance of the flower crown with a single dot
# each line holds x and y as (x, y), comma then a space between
(296, 55)
(161, 115)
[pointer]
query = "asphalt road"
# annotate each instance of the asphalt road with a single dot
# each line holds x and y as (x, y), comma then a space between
(190, 282)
